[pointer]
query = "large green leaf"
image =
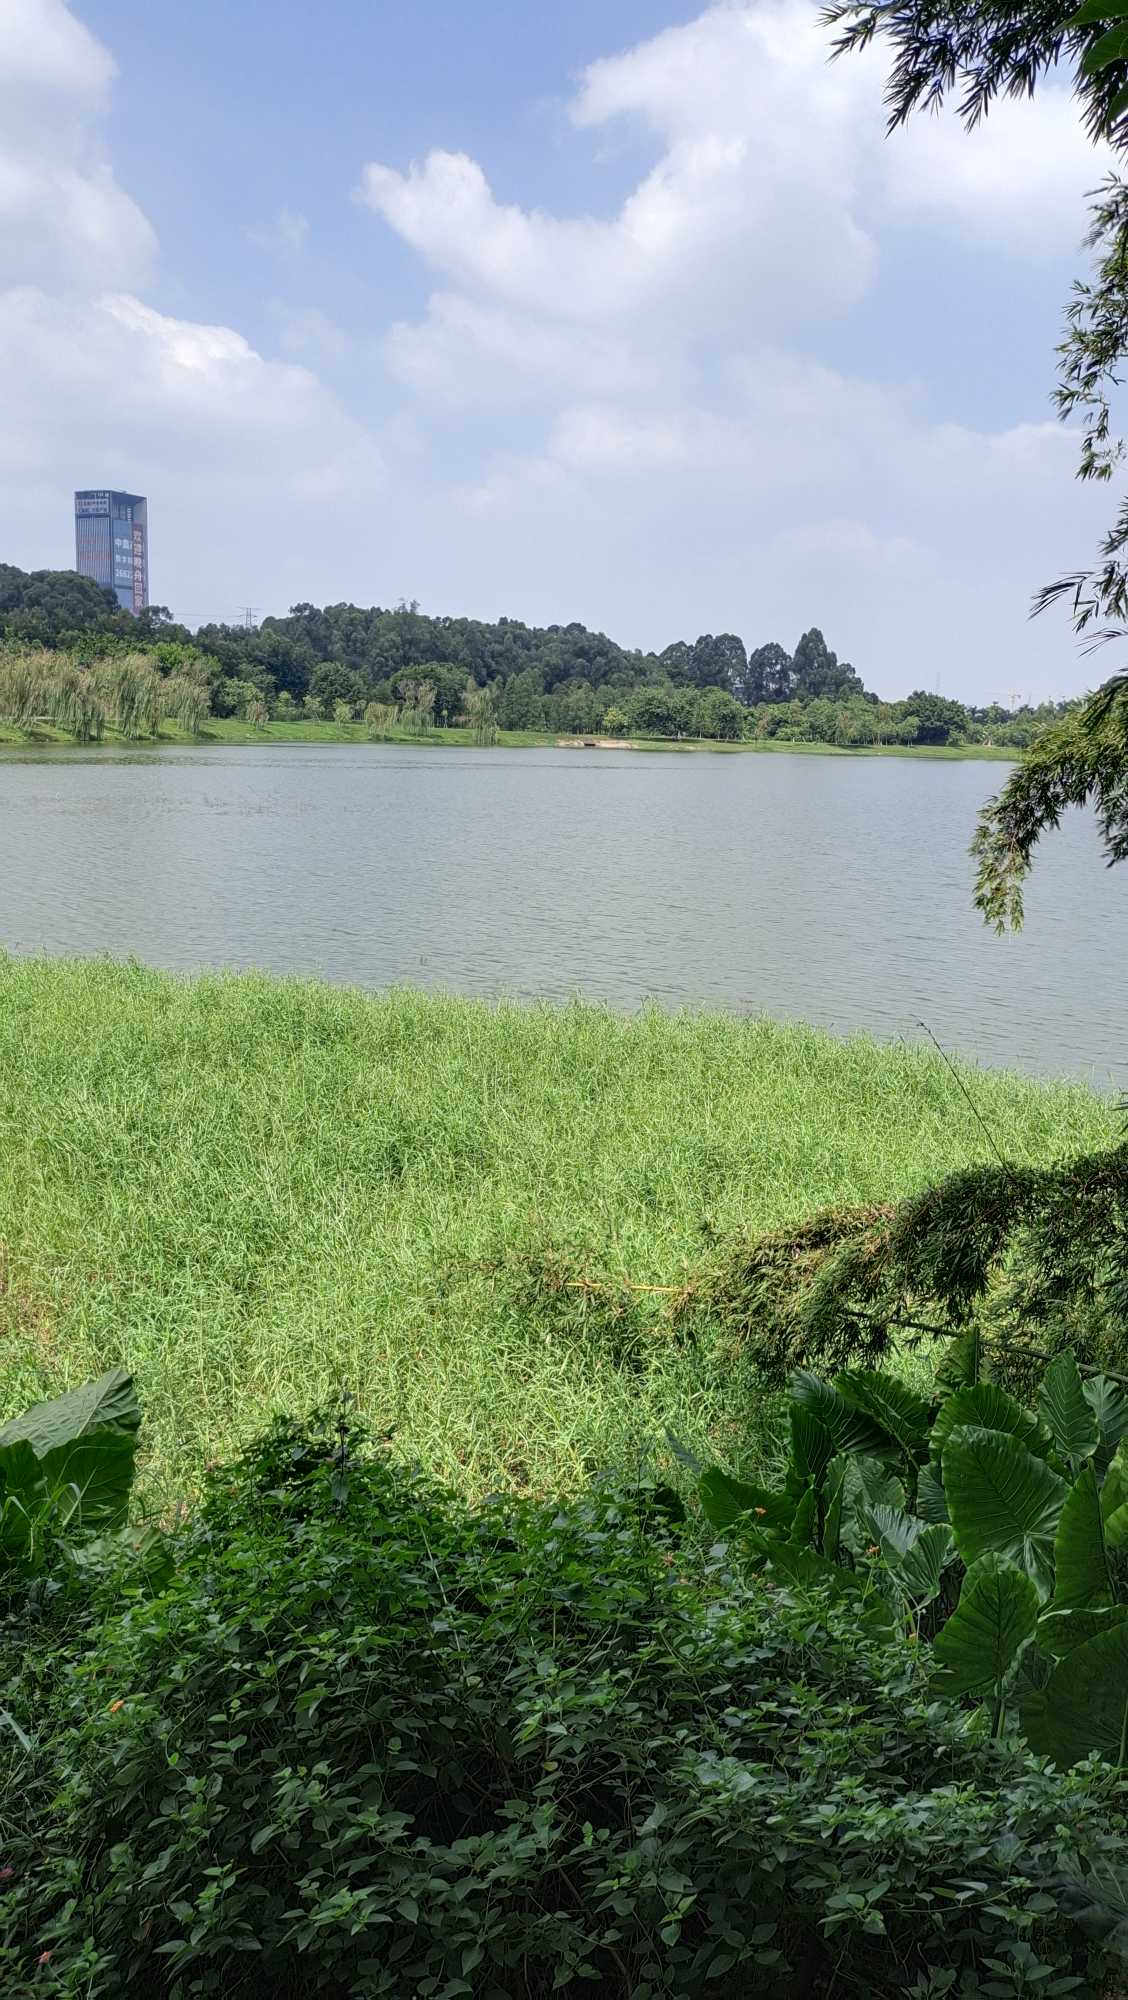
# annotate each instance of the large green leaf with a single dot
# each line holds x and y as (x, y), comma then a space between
(82, 1484)
(809, 1572)
(1109, 48)
(962, 1361)
(868, 1484)
(1081, 1579)
(899, 1411)
(1067, 1411)
(1061, 1631)
(1002, 1501)
(919, 1569)
(726, 1501)
(1114, 1498)
(1084, 1705)
(931, 1503)
(994, 1619)
(987, 1407)
(812, 1449)
(805, 1521)
(1095, 11)
(834, 1485)
(852, 1430)
(1109, 1405)
(109, 1404)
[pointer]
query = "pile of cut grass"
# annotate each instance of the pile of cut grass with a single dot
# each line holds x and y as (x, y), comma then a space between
(254, 1191)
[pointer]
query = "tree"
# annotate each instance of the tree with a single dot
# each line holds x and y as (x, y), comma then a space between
(767, 676)
(719, 715)
(614, 722)
(1005, 1255)
(342, 712)
(817, 673)
(719, 662)
(938, 719)
(480, 708)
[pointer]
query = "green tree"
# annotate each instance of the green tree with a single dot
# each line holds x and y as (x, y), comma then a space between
(343, 712)
(938, 719)
(719, 715)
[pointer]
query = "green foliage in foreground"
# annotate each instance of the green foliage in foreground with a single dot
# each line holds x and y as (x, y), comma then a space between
(249, 1192)
(368, 1741)
(889, 1494)
(65, 1467)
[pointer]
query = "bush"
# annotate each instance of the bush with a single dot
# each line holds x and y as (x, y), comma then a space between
(368, 1741)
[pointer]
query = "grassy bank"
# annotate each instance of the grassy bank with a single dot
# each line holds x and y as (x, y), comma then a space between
(253, 1191)
(228, 730)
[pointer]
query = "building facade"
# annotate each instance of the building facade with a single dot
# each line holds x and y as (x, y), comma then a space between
(111, 543)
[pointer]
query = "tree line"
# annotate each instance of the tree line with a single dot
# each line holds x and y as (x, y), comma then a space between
(343, 662)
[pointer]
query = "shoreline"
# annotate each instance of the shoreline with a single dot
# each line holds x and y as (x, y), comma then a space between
(221, 731)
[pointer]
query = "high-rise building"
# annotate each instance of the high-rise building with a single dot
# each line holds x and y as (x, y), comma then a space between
(111, 543)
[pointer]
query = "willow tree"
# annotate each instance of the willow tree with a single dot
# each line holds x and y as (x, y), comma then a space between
(479, 712)
(129, 688)
(1024, 1259)
(186, 700)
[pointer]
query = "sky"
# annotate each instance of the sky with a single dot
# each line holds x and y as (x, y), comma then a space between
(625, 312)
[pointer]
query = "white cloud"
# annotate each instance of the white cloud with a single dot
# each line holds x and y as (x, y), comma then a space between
(60, 206)
(126, 392)
(287, 235)
(98, 386)
(692, 448)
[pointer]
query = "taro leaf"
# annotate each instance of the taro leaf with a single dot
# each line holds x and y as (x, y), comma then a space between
(894, 1527)
(1002, 1501)
(1114, 1498)
(1061, 1631)
(1084, 1705)
(867, 1485)
(919, 1569)
(727, 1502)
(85, 1481)
(1081, 1580)
(993, 1621)
(803, 1526)
(901, 1413)
(1109, 1405)
(812, 1449)
(962, 1360)
(1095, 11)
(989, 1408)
(1109, 48)
(851, 1429)
(833, 1490)
(1066, 1409)
(931, 1504)
(109, 1404)
(808, 1572)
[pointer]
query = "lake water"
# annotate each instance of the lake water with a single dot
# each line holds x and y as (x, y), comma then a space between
(830, 889)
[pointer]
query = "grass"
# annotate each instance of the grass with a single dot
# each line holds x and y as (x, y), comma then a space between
(253, 1191)
(230, 730)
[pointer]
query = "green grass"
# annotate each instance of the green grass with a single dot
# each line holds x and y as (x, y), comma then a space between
(229, 730)
(252, 1191)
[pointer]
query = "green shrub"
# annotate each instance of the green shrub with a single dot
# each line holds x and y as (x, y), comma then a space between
(1000, 1531)
(368, 1741)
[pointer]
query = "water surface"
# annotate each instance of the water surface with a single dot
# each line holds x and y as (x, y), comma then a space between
(830, 889)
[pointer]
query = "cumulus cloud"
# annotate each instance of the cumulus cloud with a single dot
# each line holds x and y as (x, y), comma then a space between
(96, 384)
(61, 210)
(671, 352)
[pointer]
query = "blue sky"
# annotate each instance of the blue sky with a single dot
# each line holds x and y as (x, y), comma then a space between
(622, 312)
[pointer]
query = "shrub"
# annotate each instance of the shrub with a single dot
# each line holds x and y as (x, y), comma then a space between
(368, 1741)
(1003, 1530)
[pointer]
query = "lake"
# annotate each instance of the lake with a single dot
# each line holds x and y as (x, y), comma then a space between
(835, 890)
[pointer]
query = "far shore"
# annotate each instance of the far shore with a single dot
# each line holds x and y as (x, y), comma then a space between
(227, 730)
